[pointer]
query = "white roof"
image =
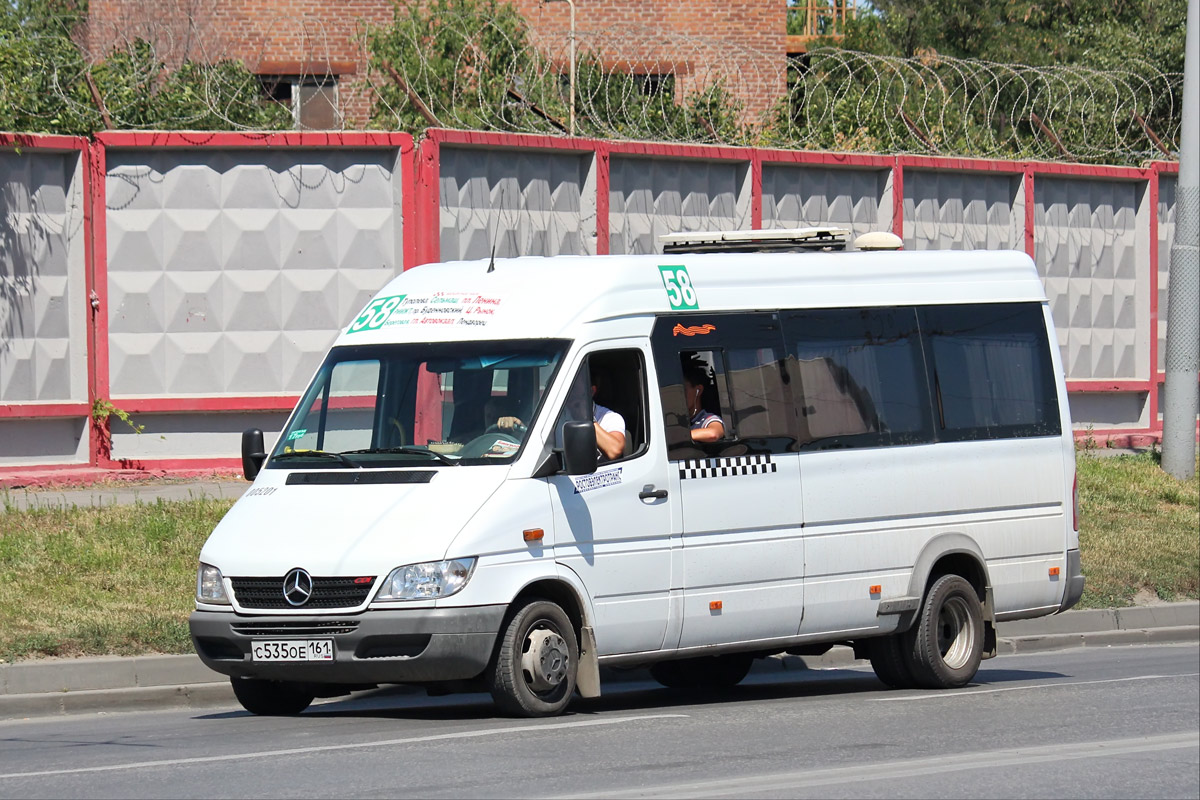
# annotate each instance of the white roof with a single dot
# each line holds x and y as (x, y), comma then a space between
(534, 297)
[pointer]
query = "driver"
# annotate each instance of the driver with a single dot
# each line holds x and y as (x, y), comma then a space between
(503, 410)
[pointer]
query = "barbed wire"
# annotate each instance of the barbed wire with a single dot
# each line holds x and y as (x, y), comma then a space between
(181, 70)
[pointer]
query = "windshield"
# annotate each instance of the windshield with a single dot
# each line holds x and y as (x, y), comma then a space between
(419, 404)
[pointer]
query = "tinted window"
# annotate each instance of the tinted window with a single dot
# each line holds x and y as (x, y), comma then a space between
(992, 373)
(745, 382)
(861, 377)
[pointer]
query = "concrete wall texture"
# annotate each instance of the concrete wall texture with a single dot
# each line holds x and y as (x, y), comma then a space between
(195, 280)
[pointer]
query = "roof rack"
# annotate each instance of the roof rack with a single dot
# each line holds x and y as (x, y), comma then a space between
(777, 240)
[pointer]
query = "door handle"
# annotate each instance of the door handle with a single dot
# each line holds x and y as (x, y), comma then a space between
(651, 493)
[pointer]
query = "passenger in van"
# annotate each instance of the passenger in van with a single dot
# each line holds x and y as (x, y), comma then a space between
(705, 426)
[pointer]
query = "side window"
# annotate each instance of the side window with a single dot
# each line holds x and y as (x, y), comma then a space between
(619, 378)
(341, 414)
(727, 366)
(991, 371)
(861, 377)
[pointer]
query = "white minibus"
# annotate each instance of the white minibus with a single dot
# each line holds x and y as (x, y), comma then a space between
(507, 473)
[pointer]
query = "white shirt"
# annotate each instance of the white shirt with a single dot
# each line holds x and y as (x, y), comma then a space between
(608, 419)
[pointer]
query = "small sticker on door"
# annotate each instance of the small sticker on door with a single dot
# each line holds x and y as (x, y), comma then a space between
(597, 480)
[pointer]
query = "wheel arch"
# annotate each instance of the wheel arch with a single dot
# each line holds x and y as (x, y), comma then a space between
(560, 592)
(950, 553)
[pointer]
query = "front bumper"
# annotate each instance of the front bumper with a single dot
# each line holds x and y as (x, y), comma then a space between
(401, 646)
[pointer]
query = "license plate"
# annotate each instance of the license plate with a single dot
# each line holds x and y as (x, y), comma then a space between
(293, 650)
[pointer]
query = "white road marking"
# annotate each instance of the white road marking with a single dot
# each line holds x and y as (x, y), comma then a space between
(909, 768)
(942, 695)
(298, 751)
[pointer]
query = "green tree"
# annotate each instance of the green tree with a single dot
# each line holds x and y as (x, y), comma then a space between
(48, 86)
(458, 58)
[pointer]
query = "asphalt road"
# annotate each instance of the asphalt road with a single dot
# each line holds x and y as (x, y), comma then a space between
(1089, 722)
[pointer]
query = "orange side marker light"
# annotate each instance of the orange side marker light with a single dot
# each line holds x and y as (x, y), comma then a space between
(716, 605)
(1054, 572)
(533, 534)
(876, 589)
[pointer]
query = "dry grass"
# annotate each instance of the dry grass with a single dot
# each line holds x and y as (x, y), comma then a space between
(120, 579)
(1139, 529)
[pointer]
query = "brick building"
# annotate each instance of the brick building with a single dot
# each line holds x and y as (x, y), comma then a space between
(312, 53)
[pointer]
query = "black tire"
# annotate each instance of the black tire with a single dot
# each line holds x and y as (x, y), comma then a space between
(945, 645)
(271, 698)
(890, 662)
(708, 672)
(537, 658)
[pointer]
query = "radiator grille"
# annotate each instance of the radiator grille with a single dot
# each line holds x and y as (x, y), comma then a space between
(327, 593)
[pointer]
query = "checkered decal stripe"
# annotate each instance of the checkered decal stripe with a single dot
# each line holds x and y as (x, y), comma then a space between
(725, 467)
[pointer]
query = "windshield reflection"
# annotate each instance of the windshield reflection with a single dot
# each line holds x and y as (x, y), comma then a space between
(406, 405)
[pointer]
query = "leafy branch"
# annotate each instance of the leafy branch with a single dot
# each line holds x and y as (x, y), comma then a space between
(103, 409)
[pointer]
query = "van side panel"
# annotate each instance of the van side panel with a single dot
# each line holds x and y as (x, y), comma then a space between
(869, 513)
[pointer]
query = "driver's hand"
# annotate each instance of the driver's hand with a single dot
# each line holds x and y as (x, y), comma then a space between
(508, 423)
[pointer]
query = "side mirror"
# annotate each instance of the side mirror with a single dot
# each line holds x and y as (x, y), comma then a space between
(253, 453)
(579, 448)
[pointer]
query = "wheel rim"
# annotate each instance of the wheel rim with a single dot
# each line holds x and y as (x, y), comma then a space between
(545, 660)
(956, 634)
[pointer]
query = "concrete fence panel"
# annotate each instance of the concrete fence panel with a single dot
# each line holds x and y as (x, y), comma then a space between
(1093, 251)
(802, 196)
(650, 196)
(521, 203)
(1165, 217)
(230, 272)
(963, 211)
(1165, 212)
(43, 306)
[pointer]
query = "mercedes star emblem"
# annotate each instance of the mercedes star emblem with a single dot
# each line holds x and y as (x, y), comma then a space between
(297, 587)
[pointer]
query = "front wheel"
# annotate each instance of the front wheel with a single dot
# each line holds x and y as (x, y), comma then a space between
(271, 698)
(533, 674)
(946, 644)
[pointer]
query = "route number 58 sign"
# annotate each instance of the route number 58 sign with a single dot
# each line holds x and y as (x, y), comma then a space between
(680, 292)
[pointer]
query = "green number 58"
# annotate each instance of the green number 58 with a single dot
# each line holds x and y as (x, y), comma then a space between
(680, 292)
(376, 313)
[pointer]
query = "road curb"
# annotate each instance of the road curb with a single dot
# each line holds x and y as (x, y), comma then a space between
(148, 698)
(112, 684)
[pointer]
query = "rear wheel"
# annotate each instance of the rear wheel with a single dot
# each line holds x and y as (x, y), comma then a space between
(708, 672)
(533, 674)
(271, 698)
(945, 646)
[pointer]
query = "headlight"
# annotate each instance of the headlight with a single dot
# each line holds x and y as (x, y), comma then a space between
(210, 586)
(427, 581)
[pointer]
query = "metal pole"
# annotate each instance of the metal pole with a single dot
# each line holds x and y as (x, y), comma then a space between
(571, 3)
(1181, 401)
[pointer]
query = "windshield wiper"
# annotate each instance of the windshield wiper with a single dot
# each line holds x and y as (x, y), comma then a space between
(404, 448)
(341, 459)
